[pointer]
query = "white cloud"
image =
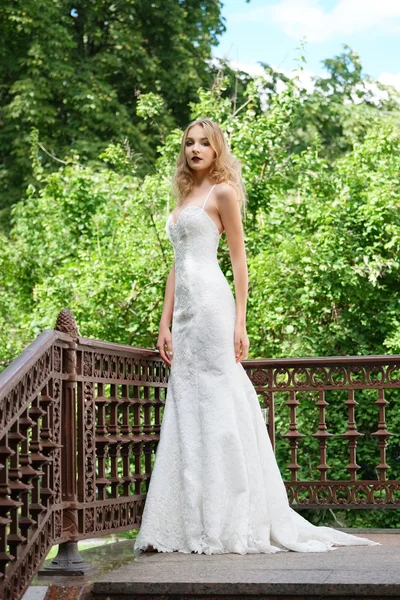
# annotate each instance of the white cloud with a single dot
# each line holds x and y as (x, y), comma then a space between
(305, 76)
(390, 79)
(298, 18)
(250, 68)
(306, 79)
(256, 70)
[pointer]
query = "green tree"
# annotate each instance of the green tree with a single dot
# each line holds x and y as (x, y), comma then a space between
(76, 71)
(341, 107)
(322, 238)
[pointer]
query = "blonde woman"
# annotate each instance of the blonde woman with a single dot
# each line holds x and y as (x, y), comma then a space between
(215, 485)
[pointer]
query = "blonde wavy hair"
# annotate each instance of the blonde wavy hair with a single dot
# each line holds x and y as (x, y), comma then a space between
(226, 168)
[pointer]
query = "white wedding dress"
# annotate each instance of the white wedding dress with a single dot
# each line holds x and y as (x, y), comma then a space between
(215, 485)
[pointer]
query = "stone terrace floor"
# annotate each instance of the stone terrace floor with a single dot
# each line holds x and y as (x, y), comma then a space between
(348, 572)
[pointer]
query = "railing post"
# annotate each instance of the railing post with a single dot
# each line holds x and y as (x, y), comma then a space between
(68, 560)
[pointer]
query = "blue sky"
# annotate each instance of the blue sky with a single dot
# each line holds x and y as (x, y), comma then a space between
(271, 30)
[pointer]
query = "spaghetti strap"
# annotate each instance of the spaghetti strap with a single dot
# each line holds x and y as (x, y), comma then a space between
(208, 195)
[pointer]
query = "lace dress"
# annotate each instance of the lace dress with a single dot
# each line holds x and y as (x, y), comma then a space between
(215, 485)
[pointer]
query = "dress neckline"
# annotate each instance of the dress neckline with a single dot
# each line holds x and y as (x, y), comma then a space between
(199, 208)
(196, 205)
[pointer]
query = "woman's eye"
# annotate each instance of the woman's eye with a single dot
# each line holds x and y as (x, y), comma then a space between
(204, 143)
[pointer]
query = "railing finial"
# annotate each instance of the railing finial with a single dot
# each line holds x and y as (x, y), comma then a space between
(66, 323)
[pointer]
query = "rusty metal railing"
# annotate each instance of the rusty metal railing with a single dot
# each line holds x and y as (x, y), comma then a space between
(292, 382)
(80, 422)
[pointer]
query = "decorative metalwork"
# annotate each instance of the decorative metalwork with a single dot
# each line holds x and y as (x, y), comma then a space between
(66, 323)
(322, 376)
(322, 435)
(30, 452)
(293, 435)
(66, 476)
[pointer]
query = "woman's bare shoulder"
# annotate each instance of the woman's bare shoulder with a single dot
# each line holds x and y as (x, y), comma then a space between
(226, 192)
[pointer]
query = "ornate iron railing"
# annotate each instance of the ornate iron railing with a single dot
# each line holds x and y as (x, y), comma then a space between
(293, 381)
(79, 425)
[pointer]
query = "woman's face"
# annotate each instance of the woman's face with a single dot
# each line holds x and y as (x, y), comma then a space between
(199, 153)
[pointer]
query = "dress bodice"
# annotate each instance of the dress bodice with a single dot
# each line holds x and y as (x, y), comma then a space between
(194, 236)
(200, 284)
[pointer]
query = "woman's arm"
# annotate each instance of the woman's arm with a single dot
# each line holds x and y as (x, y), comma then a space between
(231, 218)
(165, 337)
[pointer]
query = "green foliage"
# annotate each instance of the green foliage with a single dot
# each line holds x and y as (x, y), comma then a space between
(328, 254)
(77, 70)
(322, 234)
(341, 107)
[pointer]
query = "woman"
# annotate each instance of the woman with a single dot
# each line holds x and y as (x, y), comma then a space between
(215, 485)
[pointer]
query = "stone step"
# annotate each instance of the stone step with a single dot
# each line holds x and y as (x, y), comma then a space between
(345, 573)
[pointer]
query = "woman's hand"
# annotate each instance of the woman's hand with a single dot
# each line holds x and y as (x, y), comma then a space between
(241, 341)
(165, 339)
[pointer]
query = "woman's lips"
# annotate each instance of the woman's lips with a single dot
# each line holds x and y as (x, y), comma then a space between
(196, 159)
